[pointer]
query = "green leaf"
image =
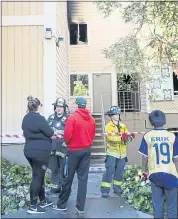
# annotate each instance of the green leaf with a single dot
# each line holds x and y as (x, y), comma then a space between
(15, 186)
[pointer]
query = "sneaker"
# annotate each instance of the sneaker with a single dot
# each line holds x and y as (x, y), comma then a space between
(80, 212)
(105, 195)
(45, 203)
(55, 207)
(35, 209)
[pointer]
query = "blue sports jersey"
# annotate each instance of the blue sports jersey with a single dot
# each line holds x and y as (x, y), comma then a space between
(161, 146)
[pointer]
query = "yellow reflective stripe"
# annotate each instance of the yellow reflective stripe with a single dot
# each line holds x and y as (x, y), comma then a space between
(54, 186)
(117, 183)
(105, 184)
(58, 153)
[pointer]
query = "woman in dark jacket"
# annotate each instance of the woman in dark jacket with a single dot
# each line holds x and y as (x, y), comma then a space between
(37, 150)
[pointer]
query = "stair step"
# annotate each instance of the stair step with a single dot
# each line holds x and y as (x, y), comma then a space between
(98, 146)
(98, 119)
(96, 115)
(98, 154)
(99, 129)
(98, 139)
(97, 162)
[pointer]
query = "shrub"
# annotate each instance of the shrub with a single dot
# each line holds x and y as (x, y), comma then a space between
(15, 182)
(137, 191)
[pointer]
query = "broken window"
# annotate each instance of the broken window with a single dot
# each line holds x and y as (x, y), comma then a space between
(175, 82)
(78, 34)
(175, 78)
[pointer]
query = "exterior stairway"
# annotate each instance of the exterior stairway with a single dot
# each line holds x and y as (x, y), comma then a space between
(98, 148)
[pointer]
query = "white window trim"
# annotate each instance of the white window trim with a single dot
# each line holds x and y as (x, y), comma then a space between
(89, 84)
(31, 20)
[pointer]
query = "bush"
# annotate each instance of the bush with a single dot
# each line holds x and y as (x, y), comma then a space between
(137, 191)
(15, 184)
(16, 181)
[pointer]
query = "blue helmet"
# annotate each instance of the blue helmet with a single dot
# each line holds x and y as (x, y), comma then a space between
(114, 110)
(157, 118)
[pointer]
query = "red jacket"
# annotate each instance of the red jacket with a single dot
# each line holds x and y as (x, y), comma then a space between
(79, 130)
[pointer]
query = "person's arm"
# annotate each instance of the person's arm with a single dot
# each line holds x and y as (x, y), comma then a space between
(44, 127)
(68, 131)
(175, 153)
(111, 137)
(50, 121)
(33, 135)
(144, 151)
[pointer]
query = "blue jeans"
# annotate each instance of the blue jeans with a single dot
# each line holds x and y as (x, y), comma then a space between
(158, 197)
(113, 174)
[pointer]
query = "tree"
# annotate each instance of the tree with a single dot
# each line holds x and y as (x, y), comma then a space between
(160, 19)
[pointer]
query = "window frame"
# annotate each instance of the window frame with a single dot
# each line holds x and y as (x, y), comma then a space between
(85, 44)
(75, 73)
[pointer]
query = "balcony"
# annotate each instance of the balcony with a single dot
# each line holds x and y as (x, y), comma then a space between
(129, 101)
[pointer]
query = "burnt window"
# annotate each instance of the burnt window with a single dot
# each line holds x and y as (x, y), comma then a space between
(175, 83)
(78, 34)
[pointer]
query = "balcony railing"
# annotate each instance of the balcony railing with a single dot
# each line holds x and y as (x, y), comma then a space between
(129, 101)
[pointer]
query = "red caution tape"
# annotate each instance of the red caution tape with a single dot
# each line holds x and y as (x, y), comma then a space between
(97, 134)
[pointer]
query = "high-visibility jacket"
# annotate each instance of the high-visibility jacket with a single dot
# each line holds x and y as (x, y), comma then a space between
(115, 146)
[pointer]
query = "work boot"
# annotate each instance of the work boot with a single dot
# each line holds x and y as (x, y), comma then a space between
(117, 191)
(105, 195)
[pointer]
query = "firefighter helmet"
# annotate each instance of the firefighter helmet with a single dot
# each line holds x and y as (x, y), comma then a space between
(114, 110)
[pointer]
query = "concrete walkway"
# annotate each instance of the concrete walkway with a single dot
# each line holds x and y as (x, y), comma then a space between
(96, 206)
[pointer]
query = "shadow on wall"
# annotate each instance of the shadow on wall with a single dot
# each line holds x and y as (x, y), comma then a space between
(132, 151)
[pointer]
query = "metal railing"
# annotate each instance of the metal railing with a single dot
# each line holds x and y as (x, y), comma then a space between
(129, 101)
(103, 119)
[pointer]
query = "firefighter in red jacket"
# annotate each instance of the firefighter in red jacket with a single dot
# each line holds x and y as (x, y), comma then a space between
(79, 134)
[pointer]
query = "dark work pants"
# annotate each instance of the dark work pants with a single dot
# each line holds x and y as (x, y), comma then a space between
(113, 174)
(56, 164)
(78, 161)
(37, 186)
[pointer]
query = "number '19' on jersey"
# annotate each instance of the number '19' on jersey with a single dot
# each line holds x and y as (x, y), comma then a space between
(161, 146)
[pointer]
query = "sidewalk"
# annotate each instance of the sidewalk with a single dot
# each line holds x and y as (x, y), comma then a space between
(96, 206)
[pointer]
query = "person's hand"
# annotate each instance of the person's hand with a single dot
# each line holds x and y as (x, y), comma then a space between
(53, 152)
(54, 137)
(145, 175)
(125, 137)
(132, 135)
(59, 132)
(64, 145)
